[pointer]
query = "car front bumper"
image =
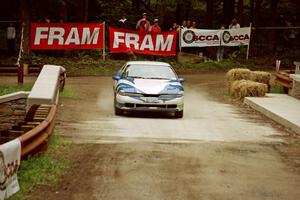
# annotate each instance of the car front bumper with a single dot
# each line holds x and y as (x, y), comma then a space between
(149, 103)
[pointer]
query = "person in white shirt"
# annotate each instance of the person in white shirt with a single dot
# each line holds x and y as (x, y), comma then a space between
(234, 24)
(11, 36)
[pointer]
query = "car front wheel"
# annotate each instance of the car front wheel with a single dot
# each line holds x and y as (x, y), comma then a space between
(118, 111)
(179, 114)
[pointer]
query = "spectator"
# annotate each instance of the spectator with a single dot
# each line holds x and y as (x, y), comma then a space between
(234, 24)
(175, 27)
(147, 23)
(123, 22)
(183, 26)
(142, 26)
(188, 24)
(194, 25)
(155, 27)
(47, 19)
(220, 49)
(11, 36)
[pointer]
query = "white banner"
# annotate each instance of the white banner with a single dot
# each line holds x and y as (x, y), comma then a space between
(235, 37)
(205, 37)
(200, 38)
(10, 156)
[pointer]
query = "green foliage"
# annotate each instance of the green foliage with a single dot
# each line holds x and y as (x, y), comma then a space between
(278, 89)
(43, 168)
(5, 89)
(69, 93)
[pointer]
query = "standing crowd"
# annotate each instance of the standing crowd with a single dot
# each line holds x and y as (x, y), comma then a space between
(142, 24)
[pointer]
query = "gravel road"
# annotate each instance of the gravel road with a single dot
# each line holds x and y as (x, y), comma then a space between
(216, 151)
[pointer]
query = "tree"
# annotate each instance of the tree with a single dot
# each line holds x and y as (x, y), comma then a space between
(228, 10)
(25, 20)
(209, 13)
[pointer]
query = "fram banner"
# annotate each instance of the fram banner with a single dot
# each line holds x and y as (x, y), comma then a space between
(236, 37)
(205, 38)
(200, 37)
(10, 157)
(123, 40)
(66, 36)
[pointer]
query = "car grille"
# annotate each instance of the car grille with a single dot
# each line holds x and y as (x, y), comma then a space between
(151, 95)
(132, 105)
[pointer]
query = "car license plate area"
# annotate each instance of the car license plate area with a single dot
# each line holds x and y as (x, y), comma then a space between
(151, 100)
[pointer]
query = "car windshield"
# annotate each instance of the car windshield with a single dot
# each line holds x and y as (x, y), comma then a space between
(149, 72)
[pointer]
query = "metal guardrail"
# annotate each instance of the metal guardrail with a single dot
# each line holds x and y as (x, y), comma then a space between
(36, 139)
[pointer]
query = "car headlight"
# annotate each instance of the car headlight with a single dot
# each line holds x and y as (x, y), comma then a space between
(129, 94)
(171, 95)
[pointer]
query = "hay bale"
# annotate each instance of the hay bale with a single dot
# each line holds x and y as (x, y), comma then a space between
(247, 88)
(261, 77)
(238, 74)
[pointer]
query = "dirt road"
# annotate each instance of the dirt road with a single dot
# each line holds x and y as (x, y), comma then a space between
(217, 151)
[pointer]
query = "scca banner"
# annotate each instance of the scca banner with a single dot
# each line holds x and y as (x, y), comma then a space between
(66, 36)
(200, 38)
(123, 40)
(236, 37)
(205, 38)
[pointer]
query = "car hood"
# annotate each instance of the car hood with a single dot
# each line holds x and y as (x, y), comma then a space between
(150, 86)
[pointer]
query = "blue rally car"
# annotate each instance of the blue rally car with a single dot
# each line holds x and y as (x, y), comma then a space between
(148, 86)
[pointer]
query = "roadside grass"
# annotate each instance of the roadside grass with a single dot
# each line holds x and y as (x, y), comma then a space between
(7, 89)
(278, 89)
(69, 93)
(44, 168)
(85, 65)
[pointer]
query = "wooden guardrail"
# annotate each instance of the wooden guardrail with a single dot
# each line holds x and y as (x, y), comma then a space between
(283, 78)
(14, 69)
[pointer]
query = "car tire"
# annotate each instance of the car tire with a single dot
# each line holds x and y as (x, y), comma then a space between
(118, 111)
(179, 114)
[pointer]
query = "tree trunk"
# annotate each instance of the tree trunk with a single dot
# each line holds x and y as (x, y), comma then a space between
(178, 12)
(273, 20)
(136, 7)
(252, 11)
(162, 9)
(228, 10)
(240, 15)
(257, 9)
(82, 10)
(25, 19)
(209, 13)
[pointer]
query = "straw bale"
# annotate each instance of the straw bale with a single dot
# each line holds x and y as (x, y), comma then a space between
(246, 88)
(238, 74)
(261, 77)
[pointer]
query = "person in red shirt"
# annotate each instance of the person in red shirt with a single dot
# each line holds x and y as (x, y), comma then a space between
(155, 27)
(142, 26)
(147, 23)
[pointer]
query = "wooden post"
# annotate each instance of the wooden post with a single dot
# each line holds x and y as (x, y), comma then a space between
(20, 74)
(248, 47)
(20, 65)
(180, 39)
(103, 49)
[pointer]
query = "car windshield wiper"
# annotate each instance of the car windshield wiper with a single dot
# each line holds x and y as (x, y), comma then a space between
(135, 77)
(157, 78)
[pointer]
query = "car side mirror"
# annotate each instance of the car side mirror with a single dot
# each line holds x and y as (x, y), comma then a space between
(181, 80)
(116, 77)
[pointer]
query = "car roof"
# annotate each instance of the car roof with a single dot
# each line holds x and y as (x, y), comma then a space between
(147, 63)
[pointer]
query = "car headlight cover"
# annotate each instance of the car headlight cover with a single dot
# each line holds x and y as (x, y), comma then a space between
(171, 95)
(129, 94)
